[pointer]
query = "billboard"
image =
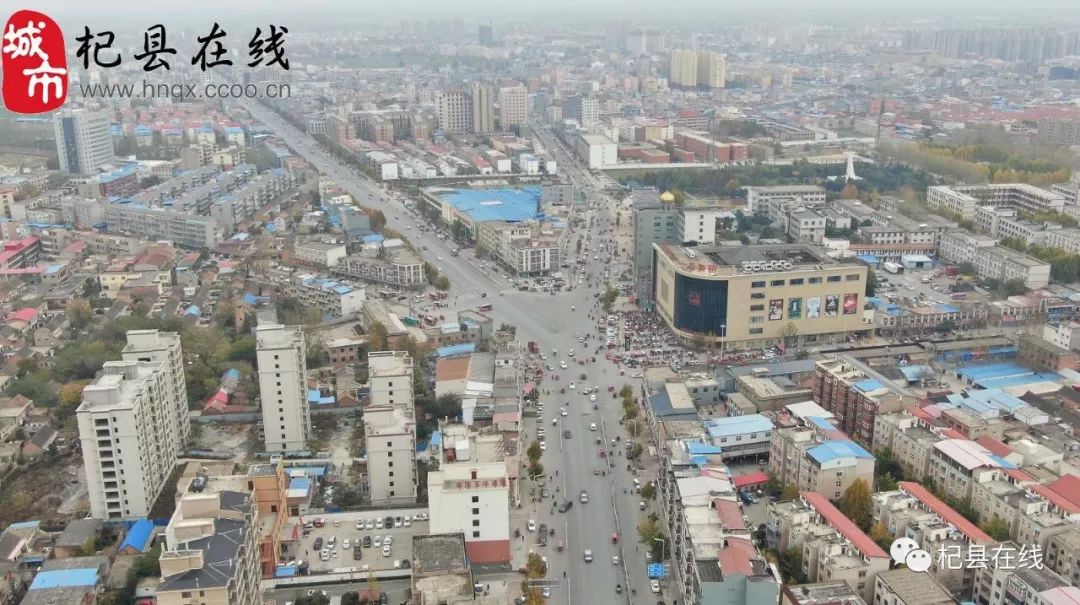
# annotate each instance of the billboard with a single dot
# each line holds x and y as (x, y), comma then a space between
(851, 304)
(776, 309)
(813, 307)
(794, 308)
(832, 305)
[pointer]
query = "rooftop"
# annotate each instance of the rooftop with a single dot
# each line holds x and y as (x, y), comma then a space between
(847, 528)
(913, 587)
(439, 554)
(944, 511)
(738, 425)
(482, 205)
(219, 557)
(833, 450)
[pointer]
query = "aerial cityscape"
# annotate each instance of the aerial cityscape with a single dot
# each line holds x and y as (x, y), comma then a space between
(587, 304)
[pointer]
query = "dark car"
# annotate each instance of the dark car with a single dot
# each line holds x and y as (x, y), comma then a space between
(357, 553)
(388, 523)
(318, 543)
(566, 434)
(367, 541)
(405, 564)
(565, 506)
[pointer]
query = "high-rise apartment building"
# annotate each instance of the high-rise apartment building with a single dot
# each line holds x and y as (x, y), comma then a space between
(693, 68)
(486, 35)
(125, 423)
(655, 222)
(83, 140)
(711, 69)
(453, 112)
(513, 107)
(483, 108)
(164, 347)
(585, 110)
(684, 68)
(390, 428)
(281, 358)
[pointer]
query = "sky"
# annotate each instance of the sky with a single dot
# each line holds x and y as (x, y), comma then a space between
(364, 12)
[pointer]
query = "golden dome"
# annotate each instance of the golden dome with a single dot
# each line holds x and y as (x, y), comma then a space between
(667, 196)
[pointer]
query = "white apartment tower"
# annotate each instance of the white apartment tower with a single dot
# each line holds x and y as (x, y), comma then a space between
(83, 140)
(286, 417)
(390, 428)
(124, 426)
(513, 107)
(483, 108)
(453, 112)
(164, 347)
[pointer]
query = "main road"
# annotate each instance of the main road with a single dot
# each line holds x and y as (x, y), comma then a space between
(551, 321)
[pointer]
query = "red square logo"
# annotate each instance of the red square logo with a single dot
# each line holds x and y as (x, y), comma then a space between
(34, 63)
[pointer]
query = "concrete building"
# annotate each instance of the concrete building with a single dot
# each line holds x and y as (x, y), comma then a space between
(697, 224)
(523, 248)
(806, 226)
(124, 420)
(211, 550)
(1004, 264)
(83, 140)
(903, 586)
(317, 253)
(741, 436)
(471, 492)
(597, 151)
(833, 592)
(335, 298)
(854, 397)
(965, 199)
(756, 197)
(963, 246)
(154, 223)
(757, 294)
(513, 107)
(453, 112)
(1003, 581)
(390, 428)
(582, 109)
(812, 454)
(164, 348)
(282, 363)
(711, 69)
(833, 546)
(684, 69)
(655, 222)
(483, 108)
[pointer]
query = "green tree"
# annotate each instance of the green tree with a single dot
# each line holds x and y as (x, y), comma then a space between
(871, 283)
(442, 283)
(536, 470)
(648, 491)
(857, 504)
(376, 334)
(626, 391)
(535, 566)
(791, 492)
(534, 452)
(79, 313)
(996, 529)
(881, 535)
(378, 219)
(789, 562)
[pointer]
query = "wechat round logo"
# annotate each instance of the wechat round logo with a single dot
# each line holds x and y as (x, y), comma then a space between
(907, 551)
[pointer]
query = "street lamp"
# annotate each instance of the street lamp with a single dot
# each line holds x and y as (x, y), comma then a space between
(723, 337)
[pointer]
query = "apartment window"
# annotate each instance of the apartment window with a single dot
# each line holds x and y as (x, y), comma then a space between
(757, 319)
(776, 282)
(391, 492)
(757, 296)
(476, 511)
(796, 282)
(390, 384)
(834, 278)
(476, 534)
(476, 523)
(275, 356)
(757, 330)
(389, 444)
(391, 484)
(813, 280)
(475, 499)
(391, 473)
(757, 308)
(757, 284)
(390, 464)
(852, 277)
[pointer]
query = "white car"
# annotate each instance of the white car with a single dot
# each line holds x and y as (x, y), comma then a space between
(543, 446)
(592, 426)
(592, 397)
(369, 524)
(345, 543)
(421, 516)
(376, 541)
(389, 541)
(655, 586)
(386, 551)
(531, 525)
(572, 386)
(570, 352)
(408, 522)
(562, 364)
(563, 412)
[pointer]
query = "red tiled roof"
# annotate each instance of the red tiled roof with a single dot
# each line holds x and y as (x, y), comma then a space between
(26, 314)
(845, 526)
(730, 514)
(757, 478)
(1018, 474)
(735, 557)
(1055, 498)
(953, 434)
(488, 551)
(1068, 487)
(945, 511)
(996, 447)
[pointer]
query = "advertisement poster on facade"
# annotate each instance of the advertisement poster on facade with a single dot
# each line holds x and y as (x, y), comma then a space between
(776, 309)
(794, 309)
(851, 304)
(832, 305)
(813, 307)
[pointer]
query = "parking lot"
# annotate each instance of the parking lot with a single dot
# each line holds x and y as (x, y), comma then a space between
(340, 527)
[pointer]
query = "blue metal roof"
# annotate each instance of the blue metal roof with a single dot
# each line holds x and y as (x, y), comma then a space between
(138, 535)
(512, 205)
(454, 350)
(822, 423)
(436, 438)
(699, 448)
(286, 571)
(65, 578)
(738, 425)
(868, 385)
(831, 450)
(300, 483)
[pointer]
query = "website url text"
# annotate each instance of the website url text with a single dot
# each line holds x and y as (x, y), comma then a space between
(270, 90)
